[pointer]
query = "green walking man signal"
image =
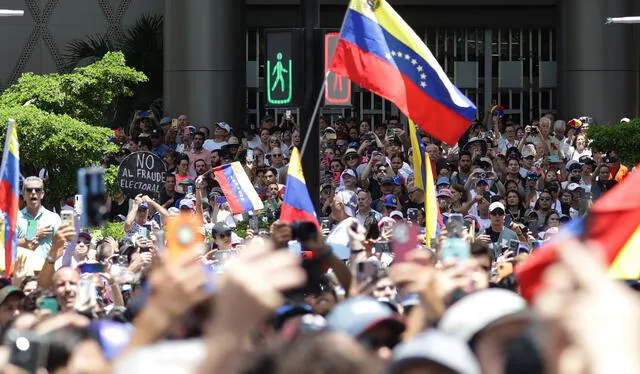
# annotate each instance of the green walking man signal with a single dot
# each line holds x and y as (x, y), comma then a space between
(277, 84)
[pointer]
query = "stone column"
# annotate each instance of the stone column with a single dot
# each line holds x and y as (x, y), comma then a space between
(598, 72)
(204, 61)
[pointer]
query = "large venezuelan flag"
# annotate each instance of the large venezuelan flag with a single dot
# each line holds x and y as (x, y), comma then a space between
(10, 194)
(380, 52)
(237, 188)
(613, 222)
(297, 205)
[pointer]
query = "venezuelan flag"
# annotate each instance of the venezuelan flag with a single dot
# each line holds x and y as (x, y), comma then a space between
(237, 188)
(10, 194)
(380, 52)
(297, 205)
(613, 222)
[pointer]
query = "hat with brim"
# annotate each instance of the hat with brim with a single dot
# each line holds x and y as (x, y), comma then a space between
(356, 316)
(434, 346)
(8, 291)
(482, 310)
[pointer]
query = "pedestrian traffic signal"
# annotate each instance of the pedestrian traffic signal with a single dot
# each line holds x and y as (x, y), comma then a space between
(282, 68)
(337, 90)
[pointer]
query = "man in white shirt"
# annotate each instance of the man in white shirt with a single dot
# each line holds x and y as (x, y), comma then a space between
(220, 137)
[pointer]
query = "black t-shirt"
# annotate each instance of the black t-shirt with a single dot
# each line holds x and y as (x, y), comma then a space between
(117, 209)
(164, 197)
(492, 234)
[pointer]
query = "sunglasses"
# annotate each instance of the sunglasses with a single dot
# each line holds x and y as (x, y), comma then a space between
(33, 189)
(351, 157)
(497, 212)
(275, 155)
(85, 242)
(224, 235)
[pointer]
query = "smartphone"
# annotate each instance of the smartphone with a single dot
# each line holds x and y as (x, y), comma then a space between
(455, 225)
(92, 187)
(189, 190)
(144, 114)
(32, 229)
(67, 216)
(253, 223)
(455, 248)
(143, 232)
(487, 196)
(87, 295)
(404, 240)
(49, 303)
(249, 157)
(27, 350)
(382, 247)
(287, 114)
(325, 224)
(514, 246)
(366, 272)
(77, 206)
(148, 227)
(221, 200)
(412, 215)
(294, 247)
(92, 268)
(390, 133)
(554, 159)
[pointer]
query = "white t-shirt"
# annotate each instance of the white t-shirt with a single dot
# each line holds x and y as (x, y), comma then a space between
(212, 145)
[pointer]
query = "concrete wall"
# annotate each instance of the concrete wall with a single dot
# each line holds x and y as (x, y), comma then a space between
(37, 41)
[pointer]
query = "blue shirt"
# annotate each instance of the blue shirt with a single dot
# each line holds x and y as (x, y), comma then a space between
(160, 150)
(44, 218)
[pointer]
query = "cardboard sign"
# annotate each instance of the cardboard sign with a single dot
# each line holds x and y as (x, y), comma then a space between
(141, 173)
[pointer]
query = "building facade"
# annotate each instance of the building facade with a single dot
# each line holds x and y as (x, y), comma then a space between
(531, 56)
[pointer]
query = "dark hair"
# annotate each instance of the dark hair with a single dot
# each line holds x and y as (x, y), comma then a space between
(27, 279)
(30, 302)
(464, 153)
(62, 343)
(200, 133)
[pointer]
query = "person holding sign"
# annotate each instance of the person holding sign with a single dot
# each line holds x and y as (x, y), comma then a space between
(36, 224)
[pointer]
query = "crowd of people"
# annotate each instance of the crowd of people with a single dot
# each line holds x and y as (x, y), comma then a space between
(256, 295)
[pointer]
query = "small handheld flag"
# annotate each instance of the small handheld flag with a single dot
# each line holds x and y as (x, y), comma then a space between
(237, 188)
(297, 205)
(10, 193)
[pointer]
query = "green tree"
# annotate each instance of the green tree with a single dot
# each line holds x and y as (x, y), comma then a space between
(54, 131)
(142, 45)
(622, 138)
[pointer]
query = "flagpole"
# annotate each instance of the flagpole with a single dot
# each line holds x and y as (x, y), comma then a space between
(314, 114)
(7, 141)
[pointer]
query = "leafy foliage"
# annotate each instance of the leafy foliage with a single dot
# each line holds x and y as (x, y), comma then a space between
(621, 138)
(82, 94)
(142, 45)
(53, 130)
(111, 180)
(112, 229)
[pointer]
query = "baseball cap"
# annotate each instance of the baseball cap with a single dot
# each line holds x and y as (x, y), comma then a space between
(8, 291)
(386, 180)
(445, 192)
(350, 172)
(219, 228)
(480, 310)
(224, 126)
(143, 206)
(190, 130)
(186, 203)
(529, 150)
(443, 180)
(165, 121)
(573, 186)
(573, 164)
(434, 346)
(496, 205)
(85, 235)
(354, 145)
(397, 180)
(396, 213)
(391, 200)
(357, 315)
(350, 151)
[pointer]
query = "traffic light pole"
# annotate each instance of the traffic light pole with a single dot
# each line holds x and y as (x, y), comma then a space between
(313, 78)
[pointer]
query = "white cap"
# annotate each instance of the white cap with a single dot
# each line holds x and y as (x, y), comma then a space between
(573, 186)
(396, 213)
(495, 205)
(224, 125)
(474, 313)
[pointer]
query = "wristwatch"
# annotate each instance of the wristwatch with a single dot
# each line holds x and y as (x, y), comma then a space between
(51, 260)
